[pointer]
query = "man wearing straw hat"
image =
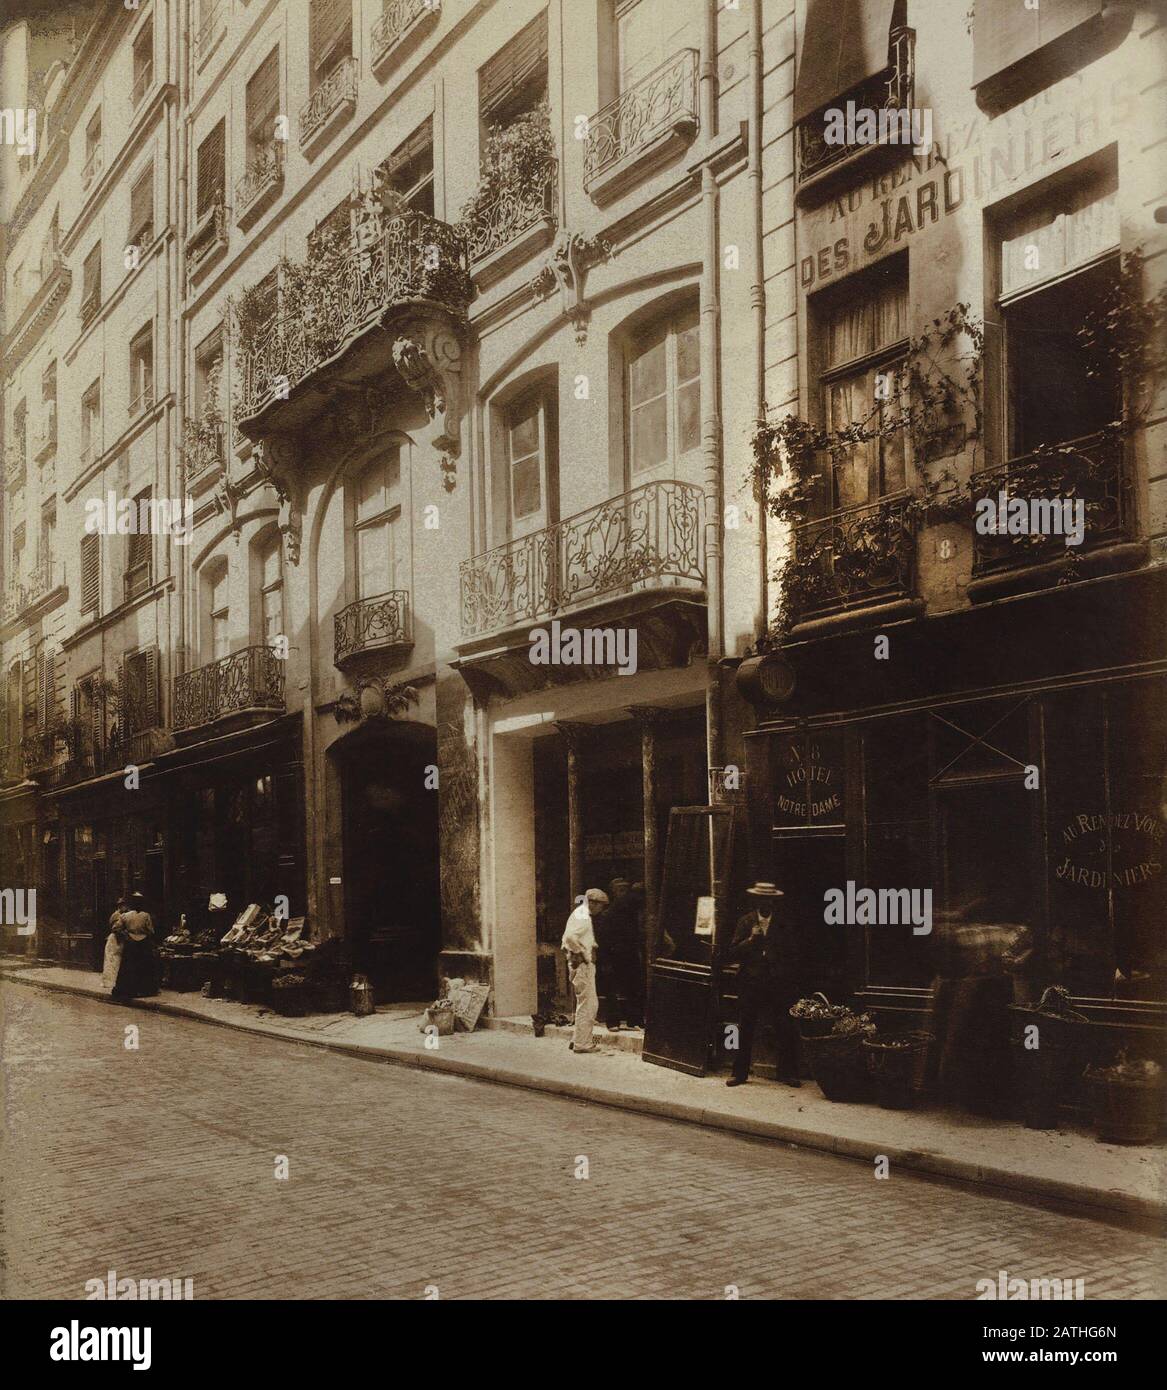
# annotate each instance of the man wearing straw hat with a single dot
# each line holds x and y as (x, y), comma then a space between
(579, 942)
(766, 953)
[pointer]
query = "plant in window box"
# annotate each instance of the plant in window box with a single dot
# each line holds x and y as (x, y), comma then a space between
(514, 181)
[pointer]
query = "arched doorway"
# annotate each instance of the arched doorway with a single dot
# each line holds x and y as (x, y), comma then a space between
(390, 825)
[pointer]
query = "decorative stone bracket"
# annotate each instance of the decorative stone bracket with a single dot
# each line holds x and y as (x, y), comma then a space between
(568, 262)
(276, 458)
(427, 351)
(373, 698)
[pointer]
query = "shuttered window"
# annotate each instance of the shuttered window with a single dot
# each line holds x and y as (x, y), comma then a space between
(91, 281)
(138, 551)
(330, 29)
(139, 687)
(46, 687)
(29, 673)
(263, 102)
(212, 169)
(516, 78)
(90, 574)
(142, 208)
(409, 171)
(1005, 32)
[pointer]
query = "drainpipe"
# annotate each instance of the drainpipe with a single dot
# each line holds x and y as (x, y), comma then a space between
(178, 155)
(710, 374)
(758, 296)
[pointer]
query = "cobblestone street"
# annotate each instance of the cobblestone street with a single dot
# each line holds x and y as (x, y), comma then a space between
(161, 1162)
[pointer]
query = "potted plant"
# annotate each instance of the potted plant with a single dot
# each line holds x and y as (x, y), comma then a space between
(1127, 1100)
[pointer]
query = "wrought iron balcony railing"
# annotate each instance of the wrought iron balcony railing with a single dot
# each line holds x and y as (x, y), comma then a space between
(38, 750)
(264, 172)
(399, 19)
(649, 537)
(497, 223)
(24, 593)
(892, 91)
(1089, 470)
(666, 97)
(88, 756)
(372, 624)
(853, 558)
(202, 448)
(249, 679)
(92, 168)
(339, 87)
(410, 257)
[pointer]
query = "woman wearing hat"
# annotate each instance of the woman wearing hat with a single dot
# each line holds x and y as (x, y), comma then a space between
(137, 974)
(766, 952)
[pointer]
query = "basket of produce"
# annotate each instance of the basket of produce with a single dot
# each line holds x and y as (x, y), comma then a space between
(291, 994)
(1043, 1047)
(439, 1015)
(898, 1067)
(837, 1061)
(816, 1016)
(1127, 1100)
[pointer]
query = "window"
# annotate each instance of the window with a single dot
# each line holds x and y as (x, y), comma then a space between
(48, 537)
(212, 171)
(379, 558)
(663, 383)
(91, 423)
(91, 284)
(139, 691)
(138, 550)
(271, 590)
(514, 81)
(142, 370)
(93, 136)
(18, 550)
(863, 332)
(143, 62)
(1008, 37)
(220, 609)
(330, 37)
(647, 33)
(90, 574)
(49, 406)
(20, 429)
(142, 209)
(208, 375)
(406, 178)
(262, 106)
(526, 451)
(46, 689)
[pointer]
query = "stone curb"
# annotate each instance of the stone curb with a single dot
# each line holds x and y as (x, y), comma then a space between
(1148, 1213)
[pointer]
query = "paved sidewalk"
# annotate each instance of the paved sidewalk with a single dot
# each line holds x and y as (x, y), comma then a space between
(1055, 1165)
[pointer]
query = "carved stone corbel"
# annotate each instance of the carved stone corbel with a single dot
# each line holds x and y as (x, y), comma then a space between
(226, 497)
(571, 257)
(428, 354)
(276, 460)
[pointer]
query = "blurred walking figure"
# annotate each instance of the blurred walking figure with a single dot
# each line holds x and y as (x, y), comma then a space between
(137, 974)
(112, 961)
(579, 941)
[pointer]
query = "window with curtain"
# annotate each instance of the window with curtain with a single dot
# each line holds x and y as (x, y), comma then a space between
(262, 102)
(220, 611)
(663, 386)
(864, 343)
(378, 528)
(271, 590)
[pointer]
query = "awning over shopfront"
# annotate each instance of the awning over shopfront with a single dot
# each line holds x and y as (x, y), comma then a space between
(844, 43)
(1005, 32)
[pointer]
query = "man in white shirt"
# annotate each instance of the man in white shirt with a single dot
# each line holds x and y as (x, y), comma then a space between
(579, 941)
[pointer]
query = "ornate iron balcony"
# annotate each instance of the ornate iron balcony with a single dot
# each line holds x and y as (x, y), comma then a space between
(892, 89)
(1089, 469)
(38, 750)
(338, 87)
(23, 593)
(92, 168)
(410, 257)
(497, 223)
(249, 679)
(668, 95)
(849, 559)
(371, 624)
(263, 173)
(399, 19)
(202, 448)
(649, 537)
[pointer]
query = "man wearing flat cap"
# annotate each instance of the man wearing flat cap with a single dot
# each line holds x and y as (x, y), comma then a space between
(579, 941)
(765, 949)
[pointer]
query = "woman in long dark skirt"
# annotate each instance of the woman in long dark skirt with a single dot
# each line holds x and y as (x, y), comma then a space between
(138, 974)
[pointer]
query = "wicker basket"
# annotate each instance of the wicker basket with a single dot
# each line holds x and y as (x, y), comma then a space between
(1125, 1112)
(899, 1074)
(838, 1065)
(816, 1027)
(291, 995)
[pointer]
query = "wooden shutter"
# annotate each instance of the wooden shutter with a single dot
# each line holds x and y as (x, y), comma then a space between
(330, 23)
(142, 207)
(212, 169)
(28, 672)
(91, 275)
(263, 99)
(90, 574)
(843, 44)
(150, 703)
(1005, 32)
(48, 688)
(515, 66)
